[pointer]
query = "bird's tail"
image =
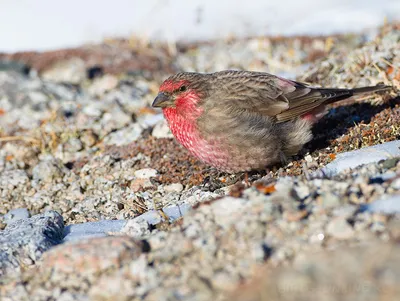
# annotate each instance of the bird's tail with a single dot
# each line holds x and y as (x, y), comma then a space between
(333, 95)
(377, 88)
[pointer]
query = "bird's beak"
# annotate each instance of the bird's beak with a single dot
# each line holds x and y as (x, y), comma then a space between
(161, 101)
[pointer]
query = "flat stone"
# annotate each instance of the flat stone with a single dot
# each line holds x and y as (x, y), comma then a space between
(389, 205)
(88, 257)
(362, 156)
(15, 215)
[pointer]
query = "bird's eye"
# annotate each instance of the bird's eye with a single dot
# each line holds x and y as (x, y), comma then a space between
(182, 89)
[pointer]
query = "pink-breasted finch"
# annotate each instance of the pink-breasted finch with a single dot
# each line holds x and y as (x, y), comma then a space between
(241, 120)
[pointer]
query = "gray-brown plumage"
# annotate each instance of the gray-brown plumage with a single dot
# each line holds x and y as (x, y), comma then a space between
(241, 120)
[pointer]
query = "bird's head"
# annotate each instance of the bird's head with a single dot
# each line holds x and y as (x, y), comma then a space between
(182, 92)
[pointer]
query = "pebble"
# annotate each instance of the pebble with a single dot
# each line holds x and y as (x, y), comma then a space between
(339, 228)
(330, 200)
(396, 184)
(103, 84)
(73, 145)
(124, 136)
(47, 170)
(145, 173)
(302, 191)
(137, 227)
(175, 187)
(308, 158)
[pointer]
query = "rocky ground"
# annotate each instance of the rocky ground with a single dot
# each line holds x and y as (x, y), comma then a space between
(98, 202)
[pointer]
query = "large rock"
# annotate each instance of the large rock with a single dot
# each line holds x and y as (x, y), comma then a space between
(24, 241)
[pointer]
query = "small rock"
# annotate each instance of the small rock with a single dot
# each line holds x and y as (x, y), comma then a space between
(389, 163)
(308, 158)
(339, 228)
(145, 173)
(73, 145)
(93, 110)
(124, 136)
(150, 120)
(140, 183)
(396, 184)
(301, 191)
(223, 281)
(137, 227)
(345, 211)
(330, 200)
(47, 170)
(175, 187)
(101, 85)
(88, 138)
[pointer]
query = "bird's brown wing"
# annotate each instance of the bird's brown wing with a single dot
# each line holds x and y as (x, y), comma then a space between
(270, 95)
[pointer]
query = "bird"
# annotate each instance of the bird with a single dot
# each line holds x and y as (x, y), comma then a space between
(239, 121)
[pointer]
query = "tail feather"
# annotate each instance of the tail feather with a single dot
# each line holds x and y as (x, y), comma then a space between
(377, 88)
(317, 97)
(333, 95)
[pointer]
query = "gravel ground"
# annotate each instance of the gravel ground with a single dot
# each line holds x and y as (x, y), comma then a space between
(80, 143)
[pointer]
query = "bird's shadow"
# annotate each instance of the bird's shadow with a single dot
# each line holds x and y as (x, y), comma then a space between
(340, 119)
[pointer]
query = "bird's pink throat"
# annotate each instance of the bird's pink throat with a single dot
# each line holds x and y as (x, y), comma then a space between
(182, 122)
(186, 105)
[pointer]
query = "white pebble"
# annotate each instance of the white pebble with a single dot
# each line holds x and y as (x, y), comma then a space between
(145, 173)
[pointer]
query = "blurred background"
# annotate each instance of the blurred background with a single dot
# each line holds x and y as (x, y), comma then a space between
(48, 25)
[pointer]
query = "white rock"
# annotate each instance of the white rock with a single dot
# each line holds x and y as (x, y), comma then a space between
(150, 120)
(124, 136)
(102, 85)
(175, 187)
(389, 205)
(308, 158)
(145, 173)
(136, 227)
(362, 156)
(396, 184)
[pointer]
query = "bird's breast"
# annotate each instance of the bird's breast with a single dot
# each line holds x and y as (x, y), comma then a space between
(187, 133)
(184, 130)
